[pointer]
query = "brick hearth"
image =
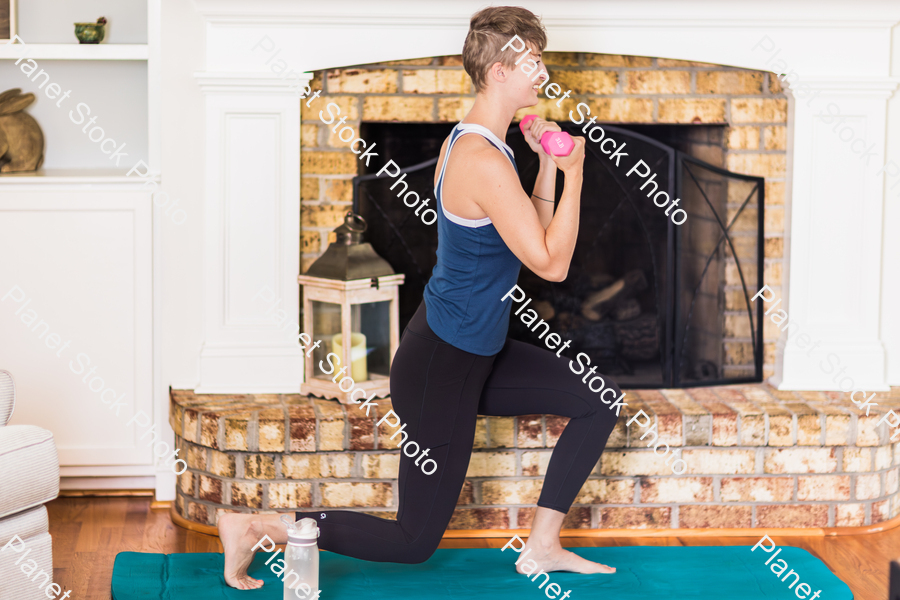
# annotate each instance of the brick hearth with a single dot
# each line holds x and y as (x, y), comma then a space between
(756, 456)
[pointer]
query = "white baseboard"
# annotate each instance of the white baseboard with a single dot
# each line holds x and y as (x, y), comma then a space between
(107, 483)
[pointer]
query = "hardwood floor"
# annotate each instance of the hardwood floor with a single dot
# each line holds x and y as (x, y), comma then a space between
(89, 532)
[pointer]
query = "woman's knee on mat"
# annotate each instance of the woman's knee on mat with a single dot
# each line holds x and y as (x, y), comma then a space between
(421, 549)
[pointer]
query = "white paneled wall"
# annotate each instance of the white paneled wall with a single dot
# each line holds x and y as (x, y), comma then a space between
(76, 318)
(251, 237)
(836, 240)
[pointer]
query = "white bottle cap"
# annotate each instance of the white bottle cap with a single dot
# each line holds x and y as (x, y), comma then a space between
(304, 533)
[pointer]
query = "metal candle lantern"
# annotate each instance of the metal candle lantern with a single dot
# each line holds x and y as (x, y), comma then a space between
(351, 306)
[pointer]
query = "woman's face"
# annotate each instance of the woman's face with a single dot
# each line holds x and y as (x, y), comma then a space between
(526, 86)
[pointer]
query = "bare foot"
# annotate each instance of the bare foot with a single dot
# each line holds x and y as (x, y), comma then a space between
(553, 557)
(239, 533)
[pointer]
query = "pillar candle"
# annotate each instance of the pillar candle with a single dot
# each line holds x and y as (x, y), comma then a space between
(359, 367)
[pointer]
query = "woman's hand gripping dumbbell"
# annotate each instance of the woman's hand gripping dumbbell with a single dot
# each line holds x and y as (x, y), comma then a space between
(555, 143)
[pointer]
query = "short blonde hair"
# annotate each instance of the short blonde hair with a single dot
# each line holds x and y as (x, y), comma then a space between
(489, 30)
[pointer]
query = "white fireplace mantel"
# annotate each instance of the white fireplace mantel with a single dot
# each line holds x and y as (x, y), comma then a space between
(840, 275)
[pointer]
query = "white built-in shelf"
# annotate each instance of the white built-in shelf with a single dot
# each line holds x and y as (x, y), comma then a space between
(75, 51)
(44, 177)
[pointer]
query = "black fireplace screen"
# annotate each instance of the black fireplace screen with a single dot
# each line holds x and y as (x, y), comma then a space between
(652, 303)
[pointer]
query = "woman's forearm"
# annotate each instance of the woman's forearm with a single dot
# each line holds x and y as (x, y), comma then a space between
(563, 229)
(545, 191)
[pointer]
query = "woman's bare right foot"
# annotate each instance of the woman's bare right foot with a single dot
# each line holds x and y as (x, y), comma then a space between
(239, 533)
(553, 557)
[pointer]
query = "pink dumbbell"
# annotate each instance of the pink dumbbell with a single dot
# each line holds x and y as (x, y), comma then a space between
(557, 143)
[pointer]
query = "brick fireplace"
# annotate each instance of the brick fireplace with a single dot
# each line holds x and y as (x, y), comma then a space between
(750, 107)
(757, 456)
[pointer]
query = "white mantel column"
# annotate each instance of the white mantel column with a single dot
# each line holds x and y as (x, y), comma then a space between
(251, 246)
(833, 291)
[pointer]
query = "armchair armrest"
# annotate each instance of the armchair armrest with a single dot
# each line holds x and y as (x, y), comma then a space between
(29, 468)
(7, 397)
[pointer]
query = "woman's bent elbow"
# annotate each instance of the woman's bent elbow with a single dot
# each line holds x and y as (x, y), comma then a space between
(549, 269)
(555, 275)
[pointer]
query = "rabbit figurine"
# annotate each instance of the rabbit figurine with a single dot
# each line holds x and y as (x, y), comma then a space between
(21, 139)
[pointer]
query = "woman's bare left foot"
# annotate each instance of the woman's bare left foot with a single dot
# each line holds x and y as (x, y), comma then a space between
(239, 534)
(554, 557)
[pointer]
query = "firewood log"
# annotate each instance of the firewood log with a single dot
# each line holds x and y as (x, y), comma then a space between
(596, 305)
(627, 310)
(638, 339)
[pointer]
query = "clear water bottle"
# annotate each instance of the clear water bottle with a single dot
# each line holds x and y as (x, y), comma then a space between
(301, 555)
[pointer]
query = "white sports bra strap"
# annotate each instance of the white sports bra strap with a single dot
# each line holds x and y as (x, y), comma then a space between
(463, 129)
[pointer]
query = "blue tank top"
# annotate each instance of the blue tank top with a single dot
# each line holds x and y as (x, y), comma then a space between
(474, 270)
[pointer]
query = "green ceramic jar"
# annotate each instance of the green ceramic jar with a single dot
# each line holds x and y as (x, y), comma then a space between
(91, 33)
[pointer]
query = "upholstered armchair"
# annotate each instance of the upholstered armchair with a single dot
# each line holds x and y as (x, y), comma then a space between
(29, 478)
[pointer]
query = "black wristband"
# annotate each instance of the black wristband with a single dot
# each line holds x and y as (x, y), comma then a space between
(539, 198)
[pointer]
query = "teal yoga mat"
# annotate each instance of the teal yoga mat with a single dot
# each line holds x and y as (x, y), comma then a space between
(644, 572)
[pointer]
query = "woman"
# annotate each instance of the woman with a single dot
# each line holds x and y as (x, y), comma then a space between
(454, 361)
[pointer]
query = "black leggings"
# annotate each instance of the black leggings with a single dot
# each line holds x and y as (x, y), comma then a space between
(438, 390)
